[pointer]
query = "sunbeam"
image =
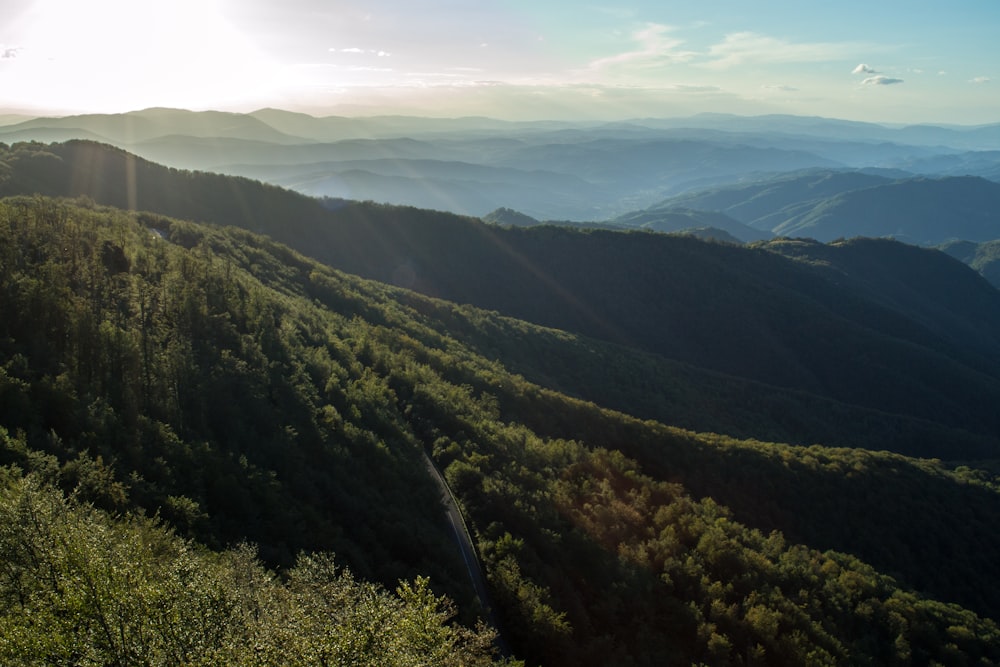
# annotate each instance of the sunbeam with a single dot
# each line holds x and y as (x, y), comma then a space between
(111, 55)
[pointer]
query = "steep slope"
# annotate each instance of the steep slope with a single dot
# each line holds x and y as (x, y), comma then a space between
(826, 204)
(750, 313)
(114, 177)
(756, 204)
(925, 285)
(246, 392)
(649, 386)
(925, 211)
(983, 257)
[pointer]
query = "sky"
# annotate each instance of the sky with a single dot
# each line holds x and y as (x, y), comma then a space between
(886, 61)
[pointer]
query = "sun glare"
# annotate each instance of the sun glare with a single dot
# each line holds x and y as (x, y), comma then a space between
(110, 55)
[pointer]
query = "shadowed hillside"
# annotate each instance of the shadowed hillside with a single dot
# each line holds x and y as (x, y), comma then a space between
(877, 343)
(244, 392)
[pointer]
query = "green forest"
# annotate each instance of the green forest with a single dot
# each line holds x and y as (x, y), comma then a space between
(236, 433)
(212, 454)
(861, 343)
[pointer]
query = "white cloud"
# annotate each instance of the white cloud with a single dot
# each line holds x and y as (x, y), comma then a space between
(682, 88)
(655, 47)
(880, 80)
(433, 75)
(749, 47)
(356, 51)
(864, 69)
(780, 88)
(9, 52)
(980, 79)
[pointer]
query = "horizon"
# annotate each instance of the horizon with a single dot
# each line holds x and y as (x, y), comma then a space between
(10, 117)
(891, 64)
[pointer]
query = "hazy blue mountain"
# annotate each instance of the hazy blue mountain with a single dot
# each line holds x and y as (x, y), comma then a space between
(974, 163)
(13, 118)
(813, 126)
(983, 257)
(826, 205)
(592, 180)
(924, 211)
(138, 126)
(410, 167)
(849, 151)
(671, 219)
(187, 152)
(764, 200)
(980, 137)
(48, 135)
(459, 187)
(464, 196)
(337, 128)
(662, 164)
(607, 169)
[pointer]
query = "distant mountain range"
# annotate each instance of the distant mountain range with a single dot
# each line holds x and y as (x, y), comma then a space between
(547, 170)
(826, 205)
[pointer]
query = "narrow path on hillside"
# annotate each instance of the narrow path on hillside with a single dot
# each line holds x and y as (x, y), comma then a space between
(464, 540)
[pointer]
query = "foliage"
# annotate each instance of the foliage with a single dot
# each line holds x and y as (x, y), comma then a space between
(923, 364)
(920, 210)
(983, 257)
(80, 587)
(228, 407)
(246, 393)
(578, 540)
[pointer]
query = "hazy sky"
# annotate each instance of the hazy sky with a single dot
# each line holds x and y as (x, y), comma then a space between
(888, 61)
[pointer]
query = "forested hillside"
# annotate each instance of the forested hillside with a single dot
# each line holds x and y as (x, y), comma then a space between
(828, 205)
(761, 204)
(246, 393)
(924, 210)
(983, 257)
(923, 364)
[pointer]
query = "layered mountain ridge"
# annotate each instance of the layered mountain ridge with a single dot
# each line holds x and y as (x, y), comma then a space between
(247, 392)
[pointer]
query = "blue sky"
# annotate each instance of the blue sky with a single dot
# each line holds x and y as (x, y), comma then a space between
(891, 62)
